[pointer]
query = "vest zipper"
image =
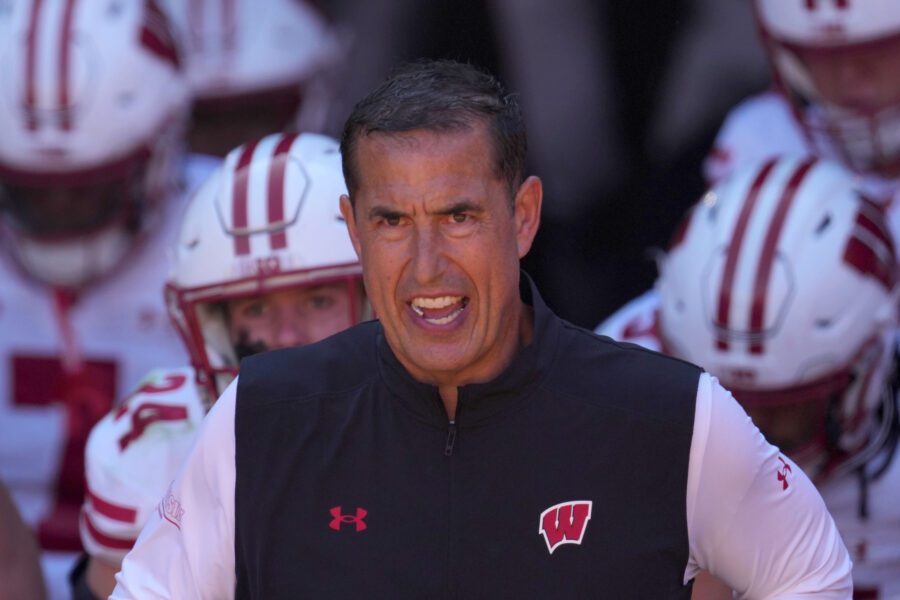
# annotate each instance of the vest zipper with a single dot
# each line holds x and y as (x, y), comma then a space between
(451, 439)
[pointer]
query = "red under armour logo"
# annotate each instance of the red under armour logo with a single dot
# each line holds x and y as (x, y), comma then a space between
(340, 519)
(565, 523)
(783, 474)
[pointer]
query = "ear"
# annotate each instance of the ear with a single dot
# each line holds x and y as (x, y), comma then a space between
(350, 219)
(528, 201)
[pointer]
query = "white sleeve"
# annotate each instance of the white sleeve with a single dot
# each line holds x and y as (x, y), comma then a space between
(755, 520)
(186, 550)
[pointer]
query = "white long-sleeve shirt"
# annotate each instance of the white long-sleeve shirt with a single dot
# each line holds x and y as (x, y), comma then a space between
(754, 519)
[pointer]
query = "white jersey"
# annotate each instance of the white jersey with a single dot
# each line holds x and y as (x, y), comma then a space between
(764, 127)
(742, 499)
(637, 322)
(873, 542)
(132, 456)
(62, 367)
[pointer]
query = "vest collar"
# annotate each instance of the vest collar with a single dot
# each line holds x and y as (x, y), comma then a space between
(480, 401)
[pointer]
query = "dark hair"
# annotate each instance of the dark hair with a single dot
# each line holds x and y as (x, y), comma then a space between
(442, 96)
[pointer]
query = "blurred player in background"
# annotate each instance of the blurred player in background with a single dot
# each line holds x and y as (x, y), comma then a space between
(20, 567)
(782, 283)
(836, 93)
(263, 261)
(93, 105)
(254, 68)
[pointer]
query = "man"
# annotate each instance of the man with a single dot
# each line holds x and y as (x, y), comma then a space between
(236, 288)
(92, 179)
(814, 368)
(470, 443)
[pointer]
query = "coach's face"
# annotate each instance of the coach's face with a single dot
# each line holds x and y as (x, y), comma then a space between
(440, 239)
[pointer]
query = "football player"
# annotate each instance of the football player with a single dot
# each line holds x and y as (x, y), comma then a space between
(782, 283)
(254, 68)
(93, 104)
(835, 95)
(263, 261)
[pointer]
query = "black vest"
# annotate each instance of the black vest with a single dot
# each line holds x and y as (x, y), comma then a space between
(565, 477)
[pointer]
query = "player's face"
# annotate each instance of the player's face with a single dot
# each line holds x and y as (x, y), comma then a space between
(440, 240)
(293, 317)
(861, 78)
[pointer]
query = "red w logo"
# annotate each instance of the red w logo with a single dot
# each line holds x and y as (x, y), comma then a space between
(565, 523)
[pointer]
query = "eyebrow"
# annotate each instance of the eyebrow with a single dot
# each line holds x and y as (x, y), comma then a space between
(384, 212)
(458, 207)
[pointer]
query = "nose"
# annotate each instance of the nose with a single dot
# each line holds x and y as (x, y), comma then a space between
(429, 259)
(289, 330)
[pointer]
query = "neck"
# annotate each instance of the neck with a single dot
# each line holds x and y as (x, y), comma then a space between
(449, 396)
(449, 391)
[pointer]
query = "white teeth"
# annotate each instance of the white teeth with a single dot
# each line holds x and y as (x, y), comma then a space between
(447, 319)
(442, 302)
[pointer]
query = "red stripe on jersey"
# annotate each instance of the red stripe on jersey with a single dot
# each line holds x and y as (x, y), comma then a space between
(278, 239)
(116, 512)
(63, 79)
(767, 258)
(30, 66)
(239, 200)
(734, 250)
(106, 540)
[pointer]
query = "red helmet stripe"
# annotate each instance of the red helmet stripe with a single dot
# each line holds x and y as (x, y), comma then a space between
(870, 249)
(767, 258)
(30, 66)
(239, 207)
(63, 82)
(734, 250)
(157, 36)
(275, 195)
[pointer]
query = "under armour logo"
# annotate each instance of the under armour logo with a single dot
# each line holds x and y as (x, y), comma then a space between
(565, 523)
(340, 519)
(783, 474)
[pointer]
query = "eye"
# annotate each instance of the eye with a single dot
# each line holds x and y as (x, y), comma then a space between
(459, 217)
(252, 309)
(320, 302)
(392, 220)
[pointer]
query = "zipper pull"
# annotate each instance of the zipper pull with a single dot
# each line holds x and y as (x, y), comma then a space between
(451, 438)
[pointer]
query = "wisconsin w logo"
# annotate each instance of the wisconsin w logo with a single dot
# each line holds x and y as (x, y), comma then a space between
(565, 523)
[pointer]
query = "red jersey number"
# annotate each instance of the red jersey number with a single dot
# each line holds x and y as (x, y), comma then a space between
(86, 397)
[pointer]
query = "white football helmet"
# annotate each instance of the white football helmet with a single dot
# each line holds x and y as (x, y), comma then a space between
(797, 33)
(249, 63)
(92, 110)
(266, 220)
(782, 284)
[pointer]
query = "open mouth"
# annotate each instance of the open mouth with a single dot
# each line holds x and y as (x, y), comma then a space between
(439, 311)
